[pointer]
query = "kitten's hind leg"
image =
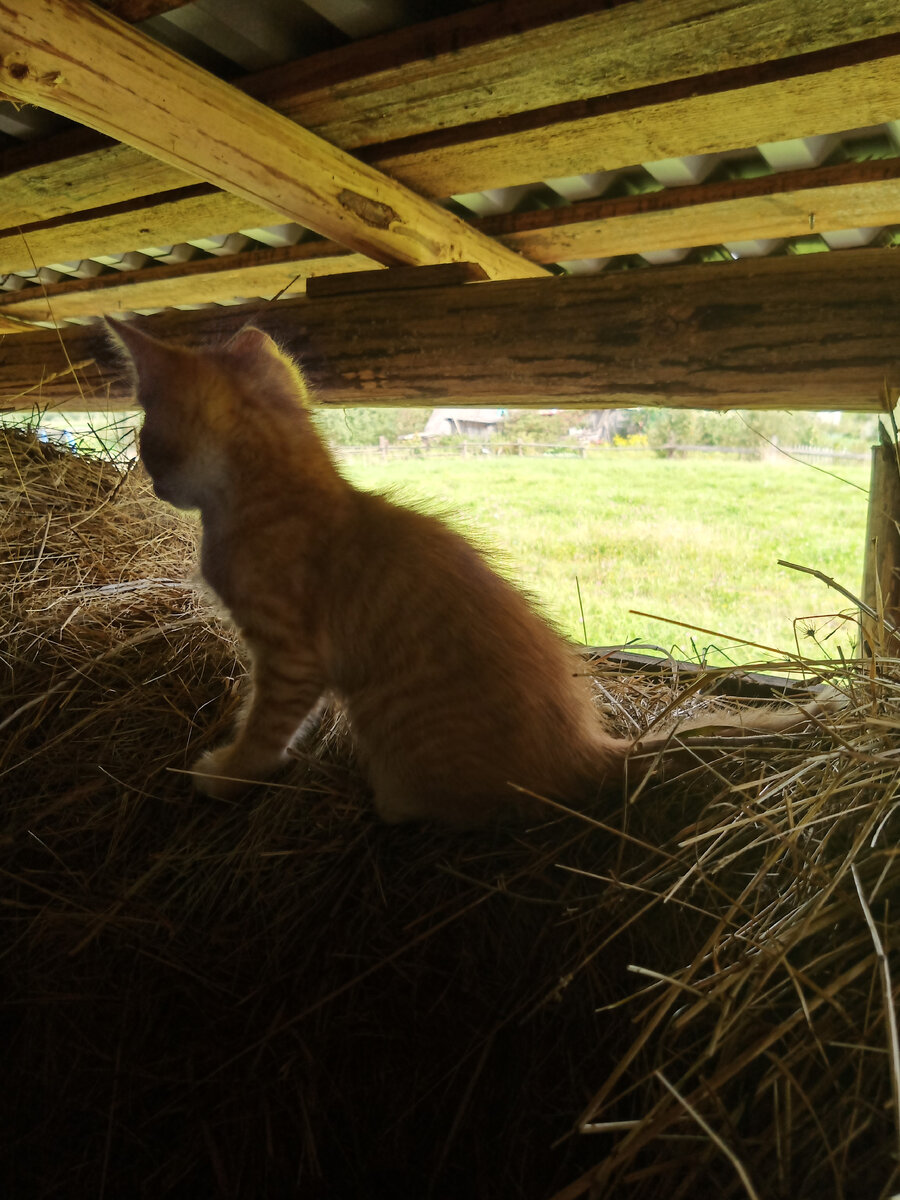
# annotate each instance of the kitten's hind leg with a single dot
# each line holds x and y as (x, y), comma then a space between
(397, 802)
(285, 695)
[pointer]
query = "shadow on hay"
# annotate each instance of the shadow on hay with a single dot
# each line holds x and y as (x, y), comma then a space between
(283, 998)
(200, 1006)
(279, 997)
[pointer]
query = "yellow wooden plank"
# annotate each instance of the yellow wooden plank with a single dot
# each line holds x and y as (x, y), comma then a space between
(852, 95)
(73, 180)
(789, 204)
(76, 60)
(173, 218)
(670, 125)
(487, 63)
(500, 59)
(157, 288)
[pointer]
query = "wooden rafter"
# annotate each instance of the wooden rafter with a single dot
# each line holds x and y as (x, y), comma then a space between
(433, 76)
(813, 332)
(845, 197)
(161, 220)
(693, 80)
(783, 205)
(78, 61)
(827, 91)
(256, 273)
(139, 10)
(788, 204)
(76, 171)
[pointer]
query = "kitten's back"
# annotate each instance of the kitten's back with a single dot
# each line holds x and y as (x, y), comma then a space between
(455, 686)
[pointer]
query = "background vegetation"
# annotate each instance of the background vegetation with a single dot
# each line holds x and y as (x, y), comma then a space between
(693, 539)
(656, 426)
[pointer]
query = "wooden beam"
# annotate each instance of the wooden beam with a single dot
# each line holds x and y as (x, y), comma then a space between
(163, 220)
(325, 267)
(505, 58)
(75, 172)
(427, 83)
(140, 10)
(133, 11)
(782, 204)
(396, 279)
(163, 105)
(811, 332)
(787, 204)
(260, 273)
(848, 88)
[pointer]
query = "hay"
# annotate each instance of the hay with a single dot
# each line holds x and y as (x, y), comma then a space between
(282, 997)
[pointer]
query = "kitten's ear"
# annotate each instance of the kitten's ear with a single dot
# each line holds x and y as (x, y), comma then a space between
(147, 354)
(251, 342)
(257, 352)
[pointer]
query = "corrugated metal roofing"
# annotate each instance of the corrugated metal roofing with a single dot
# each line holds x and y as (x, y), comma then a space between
(228, 38)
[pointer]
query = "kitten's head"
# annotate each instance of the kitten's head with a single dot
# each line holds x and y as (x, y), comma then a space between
(196, 403)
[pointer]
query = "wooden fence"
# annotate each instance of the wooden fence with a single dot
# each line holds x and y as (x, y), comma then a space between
(489, 448)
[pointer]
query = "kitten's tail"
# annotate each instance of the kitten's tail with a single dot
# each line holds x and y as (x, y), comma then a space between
(703, 739)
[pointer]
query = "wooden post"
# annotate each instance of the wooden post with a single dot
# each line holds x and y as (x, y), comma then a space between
(881, 571)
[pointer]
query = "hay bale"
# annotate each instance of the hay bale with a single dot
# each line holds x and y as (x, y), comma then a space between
(282, 997)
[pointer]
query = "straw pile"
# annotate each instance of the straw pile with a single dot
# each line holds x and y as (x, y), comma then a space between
(282, 997)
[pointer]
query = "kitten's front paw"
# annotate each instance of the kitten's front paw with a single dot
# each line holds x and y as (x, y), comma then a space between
(215, 775)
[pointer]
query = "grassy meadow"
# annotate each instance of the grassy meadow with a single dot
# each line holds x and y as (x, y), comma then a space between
(693, 540)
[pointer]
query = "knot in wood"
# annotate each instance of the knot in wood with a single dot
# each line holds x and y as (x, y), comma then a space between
(373, 212)
(20, 71)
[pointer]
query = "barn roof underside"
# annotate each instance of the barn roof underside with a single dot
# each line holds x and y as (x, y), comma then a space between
(528, 139)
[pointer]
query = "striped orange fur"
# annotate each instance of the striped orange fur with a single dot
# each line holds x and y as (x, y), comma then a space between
(454, 685)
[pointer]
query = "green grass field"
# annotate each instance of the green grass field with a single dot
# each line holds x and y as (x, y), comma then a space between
(695, 540)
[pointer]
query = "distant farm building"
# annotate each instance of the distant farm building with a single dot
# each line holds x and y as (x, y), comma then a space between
(464, 422)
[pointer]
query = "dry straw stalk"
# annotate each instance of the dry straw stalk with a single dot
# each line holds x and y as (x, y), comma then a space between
(281, 997)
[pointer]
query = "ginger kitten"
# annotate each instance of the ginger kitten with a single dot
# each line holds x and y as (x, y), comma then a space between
(454, 686)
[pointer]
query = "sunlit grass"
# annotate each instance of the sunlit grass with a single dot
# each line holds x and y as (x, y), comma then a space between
(696, 540)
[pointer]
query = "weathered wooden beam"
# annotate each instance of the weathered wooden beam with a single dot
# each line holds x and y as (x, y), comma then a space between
(139, 10)
(76, 172)
(817, 331)
(517, 57)
(431, 77)
(78, 61)
(787, 204)
(396, 279)
(321, 268)
(162, 220)
(538, 118)
(206, 281)
(849, 87)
